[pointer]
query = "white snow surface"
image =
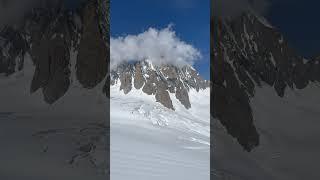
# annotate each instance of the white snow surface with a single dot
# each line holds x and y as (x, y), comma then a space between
(151, 142)
(289, 136)
(22, 114)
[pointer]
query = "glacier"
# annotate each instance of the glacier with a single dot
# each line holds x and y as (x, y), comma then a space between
(150, 141)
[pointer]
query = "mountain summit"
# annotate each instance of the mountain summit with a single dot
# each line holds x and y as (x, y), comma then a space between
(162, 81)
(265, 100)
(59, 41)
(248, 53)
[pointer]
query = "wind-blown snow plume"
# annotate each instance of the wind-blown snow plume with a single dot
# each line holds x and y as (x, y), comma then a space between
(158, 46)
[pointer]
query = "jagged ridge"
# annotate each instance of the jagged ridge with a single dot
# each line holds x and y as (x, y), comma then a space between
(55, 36)
(159, 80)
(248, 53)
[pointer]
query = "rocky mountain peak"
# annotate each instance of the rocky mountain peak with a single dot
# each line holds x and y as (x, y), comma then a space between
(55, 37)
(159, 80)
(249, 53)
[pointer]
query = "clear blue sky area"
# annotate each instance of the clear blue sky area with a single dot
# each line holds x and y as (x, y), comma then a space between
(191, 19)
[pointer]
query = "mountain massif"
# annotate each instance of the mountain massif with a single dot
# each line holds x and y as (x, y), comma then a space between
(159, 81)
(264, 103)
(53, 81)
(59, 40)
(249, 53)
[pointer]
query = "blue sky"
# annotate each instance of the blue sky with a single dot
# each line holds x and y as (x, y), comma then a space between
(298, 21)
(191, 19)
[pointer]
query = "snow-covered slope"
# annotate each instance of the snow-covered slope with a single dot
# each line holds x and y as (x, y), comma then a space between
(53, 36)
(51, 136)
(248, 54)
(53, 110)
(289, 132)
(265, 104)
(151, 141)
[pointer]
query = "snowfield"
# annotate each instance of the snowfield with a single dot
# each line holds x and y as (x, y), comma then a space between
(22, 115)
(289, 139)
(151, 142)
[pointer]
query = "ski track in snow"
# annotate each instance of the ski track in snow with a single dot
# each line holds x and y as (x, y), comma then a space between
(150, 142)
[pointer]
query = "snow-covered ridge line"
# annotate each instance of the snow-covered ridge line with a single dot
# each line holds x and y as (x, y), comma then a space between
(59, 49)
(250, 54)
(159, 80)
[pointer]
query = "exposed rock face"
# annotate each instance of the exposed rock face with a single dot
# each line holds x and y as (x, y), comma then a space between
(50, 52)
(92, 56)
(163, 97)
(126, 80)
(138, 77)
(13, 47)
(182, 95)
(51, 35)
(159, 81)
(248, 53)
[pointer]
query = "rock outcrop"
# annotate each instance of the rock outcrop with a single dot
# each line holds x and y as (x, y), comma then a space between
(249, 53)
(159, 81)
(92, 56)
(55, 37)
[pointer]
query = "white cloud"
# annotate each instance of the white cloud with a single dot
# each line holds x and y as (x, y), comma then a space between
(159, 46)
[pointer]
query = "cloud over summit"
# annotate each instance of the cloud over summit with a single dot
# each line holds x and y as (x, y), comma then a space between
(158, 46)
